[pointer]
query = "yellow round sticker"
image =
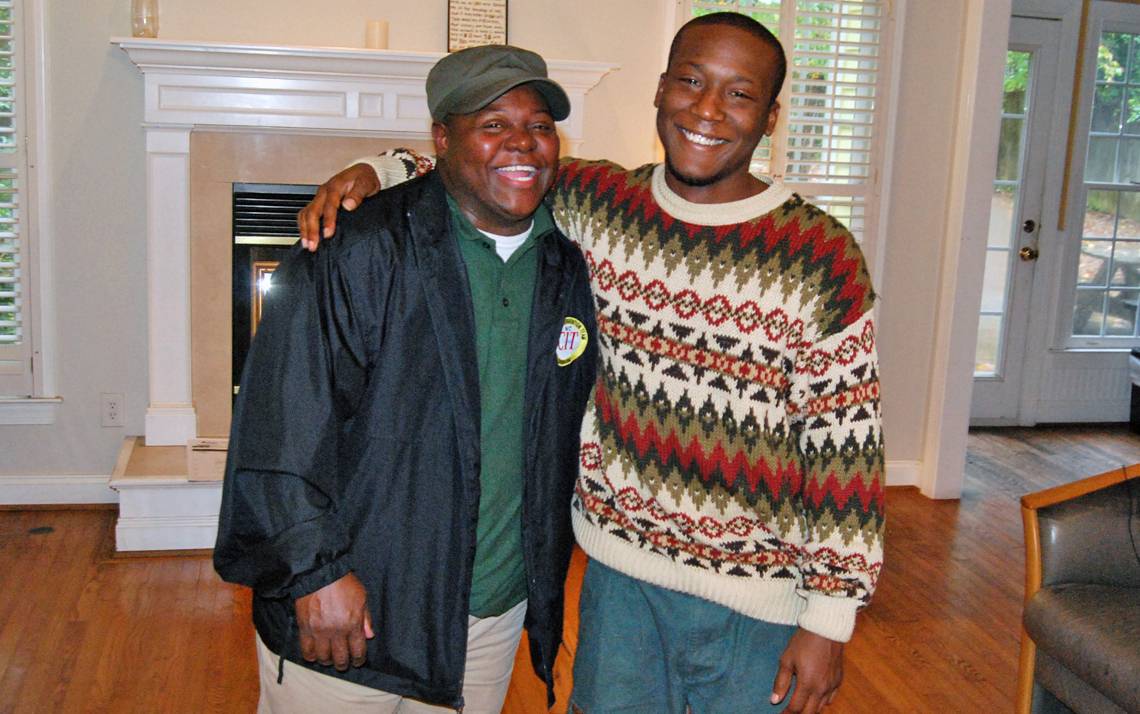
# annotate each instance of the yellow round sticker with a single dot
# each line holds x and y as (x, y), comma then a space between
(571, 342)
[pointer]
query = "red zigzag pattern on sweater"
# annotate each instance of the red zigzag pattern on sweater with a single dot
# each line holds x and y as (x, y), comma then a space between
(690, 456)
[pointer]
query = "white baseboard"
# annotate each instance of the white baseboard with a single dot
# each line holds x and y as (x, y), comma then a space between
(56, 490)
(903, 473)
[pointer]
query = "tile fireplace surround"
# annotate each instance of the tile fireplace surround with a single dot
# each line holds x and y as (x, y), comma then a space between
(259, 97)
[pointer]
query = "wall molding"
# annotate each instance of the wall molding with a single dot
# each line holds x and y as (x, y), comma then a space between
(64, 489)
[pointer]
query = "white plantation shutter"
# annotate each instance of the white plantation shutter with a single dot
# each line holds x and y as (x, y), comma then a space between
(11, 325)
(15, 342)
(826, 143)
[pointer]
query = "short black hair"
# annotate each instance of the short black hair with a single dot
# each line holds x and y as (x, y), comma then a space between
(749, 25)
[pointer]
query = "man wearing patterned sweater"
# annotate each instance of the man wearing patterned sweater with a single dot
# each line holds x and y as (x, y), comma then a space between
(730, 483)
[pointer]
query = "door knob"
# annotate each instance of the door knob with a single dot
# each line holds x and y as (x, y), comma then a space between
(1028, 253)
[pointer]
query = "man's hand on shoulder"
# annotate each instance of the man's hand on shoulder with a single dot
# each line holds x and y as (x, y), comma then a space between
(347, 189)
(816, 663)
(334, 623)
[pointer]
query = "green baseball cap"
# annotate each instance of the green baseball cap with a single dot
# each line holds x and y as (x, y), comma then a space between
(470, 79)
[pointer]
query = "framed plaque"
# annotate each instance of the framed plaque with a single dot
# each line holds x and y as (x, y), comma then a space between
(476, 22)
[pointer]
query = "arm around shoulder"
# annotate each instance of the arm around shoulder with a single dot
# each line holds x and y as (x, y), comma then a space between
(350, 186)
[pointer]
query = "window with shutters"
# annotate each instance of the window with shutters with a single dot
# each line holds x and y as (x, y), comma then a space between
(827, 145)
(16, 333)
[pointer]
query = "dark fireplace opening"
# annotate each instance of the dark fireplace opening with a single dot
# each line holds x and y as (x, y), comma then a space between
(264, 228)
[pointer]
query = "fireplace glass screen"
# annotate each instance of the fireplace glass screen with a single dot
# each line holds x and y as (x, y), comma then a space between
(264, 229)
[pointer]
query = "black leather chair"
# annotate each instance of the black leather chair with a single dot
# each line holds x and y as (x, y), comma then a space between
(1080, 640)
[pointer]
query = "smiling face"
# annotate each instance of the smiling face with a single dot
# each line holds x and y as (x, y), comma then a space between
(498, 162)
(714, 105)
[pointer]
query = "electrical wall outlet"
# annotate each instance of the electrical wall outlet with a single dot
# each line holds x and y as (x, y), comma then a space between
(112, 409)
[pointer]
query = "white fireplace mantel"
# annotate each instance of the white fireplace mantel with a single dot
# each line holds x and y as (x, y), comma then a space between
(327, 90)
(227, 87)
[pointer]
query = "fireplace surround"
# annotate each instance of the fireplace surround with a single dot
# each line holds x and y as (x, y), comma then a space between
(193, 87)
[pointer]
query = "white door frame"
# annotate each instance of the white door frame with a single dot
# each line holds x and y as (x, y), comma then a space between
(963, 256)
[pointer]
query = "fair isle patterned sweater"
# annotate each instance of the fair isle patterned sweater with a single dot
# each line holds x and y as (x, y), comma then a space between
(733, 449)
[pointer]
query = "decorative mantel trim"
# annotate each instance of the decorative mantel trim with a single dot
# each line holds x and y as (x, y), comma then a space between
(233, 87)
(294, 60)
(330, 90)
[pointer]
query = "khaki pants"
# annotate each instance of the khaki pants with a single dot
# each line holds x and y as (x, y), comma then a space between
(491, 646)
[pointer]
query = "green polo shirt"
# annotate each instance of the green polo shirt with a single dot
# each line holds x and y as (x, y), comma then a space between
(502, 294)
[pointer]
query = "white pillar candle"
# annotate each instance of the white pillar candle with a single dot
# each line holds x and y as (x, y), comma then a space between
(376, 35)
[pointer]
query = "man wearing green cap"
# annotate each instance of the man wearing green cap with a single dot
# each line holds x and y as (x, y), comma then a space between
(400, 535)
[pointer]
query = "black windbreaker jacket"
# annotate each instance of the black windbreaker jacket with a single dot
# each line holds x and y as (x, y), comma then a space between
(355, 442)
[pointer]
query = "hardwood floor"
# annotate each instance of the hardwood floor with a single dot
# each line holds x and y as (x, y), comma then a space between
(84, 631)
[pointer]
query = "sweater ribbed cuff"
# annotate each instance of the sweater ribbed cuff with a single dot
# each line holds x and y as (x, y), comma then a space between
(391, 170)
(830, 617)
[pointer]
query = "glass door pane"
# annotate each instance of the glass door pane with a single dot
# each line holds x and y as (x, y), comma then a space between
(1000, 242)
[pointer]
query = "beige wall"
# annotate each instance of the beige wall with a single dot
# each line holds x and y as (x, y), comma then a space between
(98, 221)
(631, 33)
(98, 217)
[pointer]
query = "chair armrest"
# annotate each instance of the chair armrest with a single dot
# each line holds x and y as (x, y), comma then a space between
(1087, 532)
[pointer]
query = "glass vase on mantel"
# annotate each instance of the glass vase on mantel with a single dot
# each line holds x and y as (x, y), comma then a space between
(144, 18)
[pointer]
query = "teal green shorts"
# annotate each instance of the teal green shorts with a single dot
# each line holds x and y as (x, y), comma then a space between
(645, 649)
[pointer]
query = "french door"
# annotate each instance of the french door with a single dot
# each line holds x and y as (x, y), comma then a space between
(1030, 76)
